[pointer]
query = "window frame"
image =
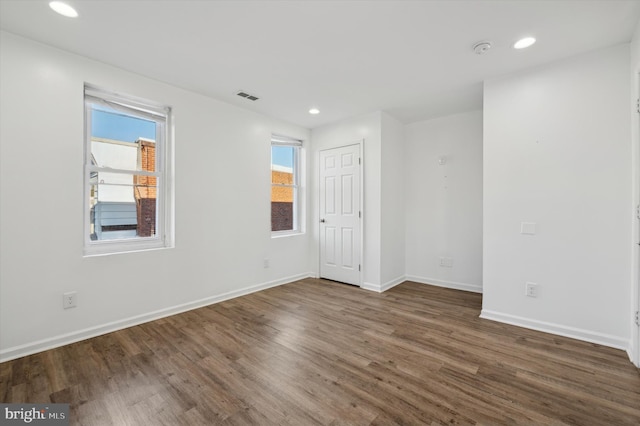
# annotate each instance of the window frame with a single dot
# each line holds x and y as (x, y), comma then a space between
(161, 115)
(297, 145)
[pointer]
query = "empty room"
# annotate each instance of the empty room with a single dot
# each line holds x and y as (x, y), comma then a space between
(320, 212)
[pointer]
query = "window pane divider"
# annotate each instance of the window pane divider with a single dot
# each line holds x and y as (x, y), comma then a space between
(127, 185)
(92, 168)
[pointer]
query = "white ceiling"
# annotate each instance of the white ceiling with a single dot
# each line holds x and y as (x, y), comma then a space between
(413, 59)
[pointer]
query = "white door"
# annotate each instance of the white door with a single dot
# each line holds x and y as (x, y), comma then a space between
(340, 216)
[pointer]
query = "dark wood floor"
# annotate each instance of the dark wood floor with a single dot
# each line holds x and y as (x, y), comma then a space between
(318, 352)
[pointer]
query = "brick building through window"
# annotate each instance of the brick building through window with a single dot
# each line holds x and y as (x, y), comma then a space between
(144, 189)
(282, 199)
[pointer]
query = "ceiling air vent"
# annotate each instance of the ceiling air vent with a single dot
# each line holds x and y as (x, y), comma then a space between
(246, 95)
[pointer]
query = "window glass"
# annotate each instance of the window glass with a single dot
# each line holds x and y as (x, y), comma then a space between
(284, 186)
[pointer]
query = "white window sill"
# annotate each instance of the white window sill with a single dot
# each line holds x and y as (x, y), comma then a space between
(119, 247)
(283, 234)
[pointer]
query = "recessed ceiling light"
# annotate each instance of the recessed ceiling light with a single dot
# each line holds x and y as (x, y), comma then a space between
(63, 9)
(524, 42)
(314, 111)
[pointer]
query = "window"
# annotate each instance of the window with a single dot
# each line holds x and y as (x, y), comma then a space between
(126, 167)
(285, 185)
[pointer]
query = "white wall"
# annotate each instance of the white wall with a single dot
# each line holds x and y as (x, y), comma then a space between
(355, 130)
(557, 152)
(634, 350)
(222, 159)
(392, 203)
(383, 212)
(444, 202)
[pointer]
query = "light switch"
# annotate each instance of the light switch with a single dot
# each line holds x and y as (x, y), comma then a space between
(528, 228)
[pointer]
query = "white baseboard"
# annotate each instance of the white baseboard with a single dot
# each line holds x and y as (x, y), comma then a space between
(631, 351)
(383, 287)
(559, 329)
(448, 284)
(87, 333)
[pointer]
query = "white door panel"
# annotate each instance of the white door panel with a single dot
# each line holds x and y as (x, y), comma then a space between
(340, 227)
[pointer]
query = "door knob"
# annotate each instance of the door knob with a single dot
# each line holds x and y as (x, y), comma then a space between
(321, 220)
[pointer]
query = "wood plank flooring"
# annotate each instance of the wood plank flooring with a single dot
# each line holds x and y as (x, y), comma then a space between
(318, 352)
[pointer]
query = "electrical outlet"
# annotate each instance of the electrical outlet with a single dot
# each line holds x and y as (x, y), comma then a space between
(265, 262)
(446, 262)
(531, 290)
(70, 299)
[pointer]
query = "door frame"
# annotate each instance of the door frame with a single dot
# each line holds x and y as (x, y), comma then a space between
(634, 350)
(360, 143)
